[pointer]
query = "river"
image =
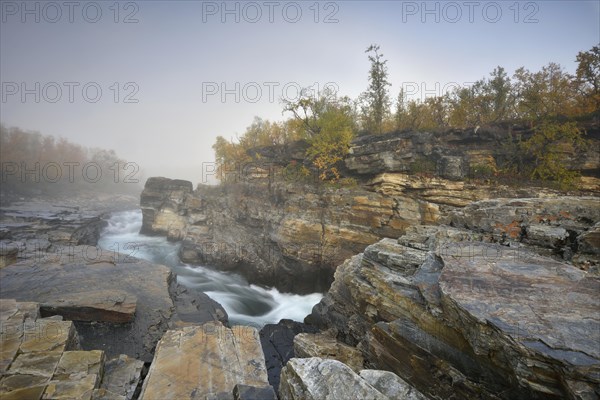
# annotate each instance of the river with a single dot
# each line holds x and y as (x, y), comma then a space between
(245, 303)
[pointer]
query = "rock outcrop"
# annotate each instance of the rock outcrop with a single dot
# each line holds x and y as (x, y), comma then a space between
(277, 341)
(206, 361)
(456, 314)
(316, 378)
(326, 346)
(120, 304)
(290, 235)
(40, 359)
(452, 154)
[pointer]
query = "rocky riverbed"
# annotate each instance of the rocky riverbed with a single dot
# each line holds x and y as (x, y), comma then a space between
(436, 286)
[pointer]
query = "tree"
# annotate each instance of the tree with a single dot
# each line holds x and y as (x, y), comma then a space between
(328, 126)
(377, 97)
(500, 90)
(547, 93)
(400, 115)
(588, 78)
(550, 146)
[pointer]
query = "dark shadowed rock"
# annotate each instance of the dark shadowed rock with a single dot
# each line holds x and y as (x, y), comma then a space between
(246, 392)
(277, 341)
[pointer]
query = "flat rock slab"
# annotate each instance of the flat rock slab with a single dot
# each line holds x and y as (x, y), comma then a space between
(197, 362)
(550, 309)
(115, 306)
(106, 284)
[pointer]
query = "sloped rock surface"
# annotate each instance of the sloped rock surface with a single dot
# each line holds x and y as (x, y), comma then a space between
(86, 269)
(197, 362)
(322, 345)
(318, 379)
(469, 319)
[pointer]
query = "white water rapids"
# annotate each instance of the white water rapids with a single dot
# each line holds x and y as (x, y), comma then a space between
(246, 304)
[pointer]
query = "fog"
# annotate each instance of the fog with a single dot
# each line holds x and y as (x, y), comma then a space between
(158, 81)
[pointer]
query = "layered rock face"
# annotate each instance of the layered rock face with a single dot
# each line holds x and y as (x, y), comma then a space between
(452, 154)
(458, 314)
(267, 223)
(292, 236)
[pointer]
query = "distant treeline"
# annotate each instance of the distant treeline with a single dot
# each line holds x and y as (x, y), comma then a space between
(551, 102)
(32, 163)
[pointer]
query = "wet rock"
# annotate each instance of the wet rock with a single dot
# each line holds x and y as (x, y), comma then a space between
(277, 341)
(197, 361)
(316, 378)
(8, 254)
(321, 345)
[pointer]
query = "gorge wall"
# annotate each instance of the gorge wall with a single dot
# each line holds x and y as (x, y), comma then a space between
(270, 224)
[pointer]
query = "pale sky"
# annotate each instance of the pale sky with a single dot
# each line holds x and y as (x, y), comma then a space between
(201, 69)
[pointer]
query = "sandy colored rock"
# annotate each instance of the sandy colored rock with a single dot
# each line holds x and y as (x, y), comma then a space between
(116, 306)
(122, 376)
(74, 364)
(196, 361)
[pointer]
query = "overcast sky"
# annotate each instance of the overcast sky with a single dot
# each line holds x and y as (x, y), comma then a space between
(174, 75)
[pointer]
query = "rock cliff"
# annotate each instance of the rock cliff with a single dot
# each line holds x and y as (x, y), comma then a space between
(455, 313)
(269, 224)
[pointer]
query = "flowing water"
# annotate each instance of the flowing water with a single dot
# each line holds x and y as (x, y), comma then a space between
(245, 303)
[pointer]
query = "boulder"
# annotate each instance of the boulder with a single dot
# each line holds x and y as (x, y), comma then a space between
(319, 379)
(391, 385)
(122, 377)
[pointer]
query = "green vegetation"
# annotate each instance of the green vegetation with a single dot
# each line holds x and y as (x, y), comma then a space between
(549, 101)
(551, 144)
